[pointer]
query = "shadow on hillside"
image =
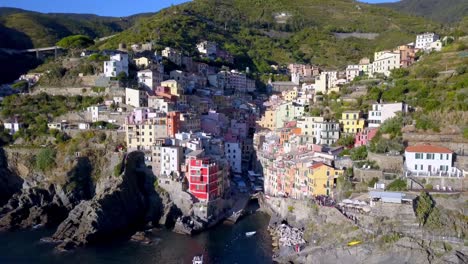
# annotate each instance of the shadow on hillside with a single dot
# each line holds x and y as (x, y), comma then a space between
(10, 183)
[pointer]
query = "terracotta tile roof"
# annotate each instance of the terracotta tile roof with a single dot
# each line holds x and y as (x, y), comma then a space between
(318, 165)
(428, 149)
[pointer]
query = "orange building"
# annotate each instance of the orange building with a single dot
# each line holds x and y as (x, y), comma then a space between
(173, 123)
(407, 55)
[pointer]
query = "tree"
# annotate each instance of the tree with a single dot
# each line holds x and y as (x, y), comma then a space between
(359, 153)
(399, 73)
(424, 205)
(346, 141)
(75, 42)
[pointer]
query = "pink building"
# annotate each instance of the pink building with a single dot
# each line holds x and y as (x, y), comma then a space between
(364, 137)
(140, 115)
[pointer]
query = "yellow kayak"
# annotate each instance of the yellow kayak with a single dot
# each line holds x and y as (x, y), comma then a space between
(355, 242)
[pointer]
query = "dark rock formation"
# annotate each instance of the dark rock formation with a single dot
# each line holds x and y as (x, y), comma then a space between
(10, 183)
(31, 207)
(122, 206)
(47, 205)
(187, 225)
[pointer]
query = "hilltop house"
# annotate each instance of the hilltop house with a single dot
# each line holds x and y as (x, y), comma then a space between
(385, 61)
(424, 41)
(379, 113)
(430, 160)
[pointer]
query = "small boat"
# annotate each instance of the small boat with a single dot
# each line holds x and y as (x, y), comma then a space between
(353, 243)
(250, 233)
(198, 259)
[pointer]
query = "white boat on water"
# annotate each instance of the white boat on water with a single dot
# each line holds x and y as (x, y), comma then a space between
(197, 259)
(250, 233)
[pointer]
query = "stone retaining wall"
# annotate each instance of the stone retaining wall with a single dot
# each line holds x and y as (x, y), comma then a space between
(457, 184)
(365, 175)
(387, 162)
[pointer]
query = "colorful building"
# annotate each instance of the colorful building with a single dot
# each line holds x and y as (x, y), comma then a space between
(203, 177)
(268, 120)
(352, 122)
(364, 137)
(173, 123)
(322, 179)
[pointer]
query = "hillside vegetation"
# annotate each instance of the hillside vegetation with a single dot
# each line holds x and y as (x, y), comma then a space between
(26, 29)
(264, 32)
(445, 11)
(437, 86)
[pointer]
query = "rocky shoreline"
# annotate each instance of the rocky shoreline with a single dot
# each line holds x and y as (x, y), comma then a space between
(117, 207)
(311, 234)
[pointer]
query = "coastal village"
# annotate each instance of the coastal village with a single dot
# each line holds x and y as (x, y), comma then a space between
(212, 141)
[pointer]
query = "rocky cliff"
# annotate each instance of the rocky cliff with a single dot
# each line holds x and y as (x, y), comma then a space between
(33, 197)
(10, 183)
(121, 206)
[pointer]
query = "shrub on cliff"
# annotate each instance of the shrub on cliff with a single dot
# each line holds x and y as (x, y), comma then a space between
(45, 159)
(397, 185)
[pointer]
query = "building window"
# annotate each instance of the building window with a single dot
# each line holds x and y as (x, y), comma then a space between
(422, 167)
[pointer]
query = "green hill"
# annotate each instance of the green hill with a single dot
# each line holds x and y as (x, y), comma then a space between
(264, 32)
(445, 11)
(25, 29)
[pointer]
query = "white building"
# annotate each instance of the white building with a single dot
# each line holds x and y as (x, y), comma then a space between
(233, 153)
(118, 99)
(171, 159)
(435, 46)
(172, 55)
(159, 104)
(424, 41)
(13, 126)
(381, 112)
(136, 97)
(83, 126)
(326, 133)
(118, 63)
(207, 48)
(385, 61)
(94, 110)
(325, 82)
(352, 71)
(149, 79)
(430, 160)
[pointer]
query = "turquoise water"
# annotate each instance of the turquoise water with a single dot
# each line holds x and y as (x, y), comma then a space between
(221, 244)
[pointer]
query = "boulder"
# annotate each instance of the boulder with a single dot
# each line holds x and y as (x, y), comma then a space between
(142, 237)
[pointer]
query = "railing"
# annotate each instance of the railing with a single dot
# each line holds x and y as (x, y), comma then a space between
(439, 174)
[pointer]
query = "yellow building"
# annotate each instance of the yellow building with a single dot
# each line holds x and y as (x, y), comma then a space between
(142, 62)
(268, 120)
(352, 122)
(322, 178)
(176, 89)
(142, 136)
(290, 95)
